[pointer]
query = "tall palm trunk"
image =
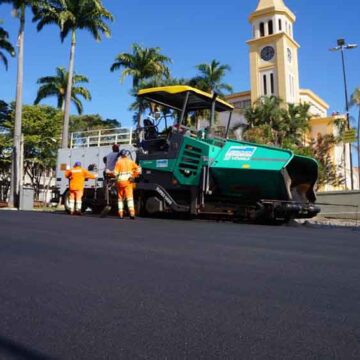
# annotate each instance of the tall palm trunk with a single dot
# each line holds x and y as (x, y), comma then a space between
(62, 107)
(65, 135)
(139, 129)
(16, 161)
(140, 111)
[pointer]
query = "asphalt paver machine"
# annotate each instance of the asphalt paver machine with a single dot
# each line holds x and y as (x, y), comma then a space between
(195, 172)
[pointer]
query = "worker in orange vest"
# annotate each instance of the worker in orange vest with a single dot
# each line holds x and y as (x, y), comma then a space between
(77, 176)
(125, 171)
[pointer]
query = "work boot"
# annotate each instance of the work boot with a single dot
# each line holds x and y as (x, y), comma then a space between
(121, 216)
(132, 217)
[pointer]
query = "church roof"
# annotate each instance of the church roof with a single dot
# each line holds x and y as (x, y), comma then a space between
(277, 4)
(272, 6)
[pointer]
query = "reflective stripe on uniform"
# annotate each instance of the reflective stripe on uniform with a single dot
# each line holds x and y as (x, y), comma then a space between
(78, 205)
(123, 176)
(120, 205)
(71, 205)
(130, 204)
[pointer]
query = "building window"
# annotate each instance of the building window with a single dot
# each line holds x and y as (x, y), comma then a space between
(271, 27)
(262, 29)
(268, 83)
(272, 84)
(242, 104)
(265, 85)
(254, 31)
(280, 25)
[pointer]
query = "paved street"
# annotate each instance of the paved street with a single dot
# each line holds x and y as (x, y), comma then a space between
(91, 288)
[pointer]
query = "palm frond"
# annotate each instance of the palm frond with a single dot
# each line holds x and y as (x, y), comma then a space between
(5, 45)
(78, 104)
(4, 60)
(44, 92)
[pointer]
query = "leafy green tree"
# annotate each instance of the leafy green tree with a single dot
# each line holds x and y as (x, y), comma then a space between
(320, 149)
(56, 86)
(5, 46)
(211, 78)
(92, 122)
(89, 123)
(4, 112)
(41, 130)
(355, 101)
(71, 16)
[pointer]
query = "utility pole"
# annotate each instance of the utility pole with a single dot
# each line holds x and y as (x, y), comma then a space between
(341, 46)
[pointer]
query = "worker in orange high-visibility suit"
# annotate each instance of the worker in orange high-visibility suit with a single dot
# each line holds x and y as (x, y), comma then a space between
(77, 176)
(125, 171)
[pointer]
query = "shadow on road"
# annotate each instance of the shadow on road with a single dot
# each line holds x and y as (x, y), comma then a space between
(10, 349)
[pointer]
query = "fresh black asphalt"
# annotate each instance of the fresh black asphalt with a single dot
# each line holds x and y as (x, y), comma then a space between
(91, 288)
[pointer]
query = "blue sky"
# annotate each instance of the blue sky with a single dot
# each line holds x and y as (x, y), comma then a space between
(190, 32)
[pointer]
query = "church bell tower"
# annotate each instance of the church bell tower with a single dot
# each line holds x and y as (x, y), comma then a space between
(273, 52)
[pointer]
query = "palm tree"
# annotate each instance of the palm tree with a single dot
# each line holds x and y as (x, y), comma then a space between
(355, 101)
(142, 64)
(19, 8)
(267, 121)
(272, 122)
(295, 124)
(6, 46)
(70, 16)
(56, 86)
(211, 77)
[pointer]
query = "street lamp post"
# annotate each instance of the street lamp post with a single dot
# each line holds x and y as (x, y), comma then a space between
(341, 46)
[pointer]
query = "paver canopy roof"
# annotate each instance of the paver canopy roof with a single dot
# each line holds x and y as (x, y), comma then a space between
(174, 97)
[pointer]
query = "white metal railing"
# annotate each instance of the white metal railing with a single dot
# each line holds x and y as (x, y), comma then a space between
(93, 138)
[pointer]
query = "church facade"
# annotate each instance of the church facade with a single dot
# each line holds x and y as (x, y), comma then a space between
(274, 71)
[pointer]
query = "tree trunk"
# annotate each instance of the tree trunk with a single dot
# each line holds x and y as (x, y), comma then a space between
(62, 126)
(140, 130)
(47, 187)
(65, 134)
(16, 156)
